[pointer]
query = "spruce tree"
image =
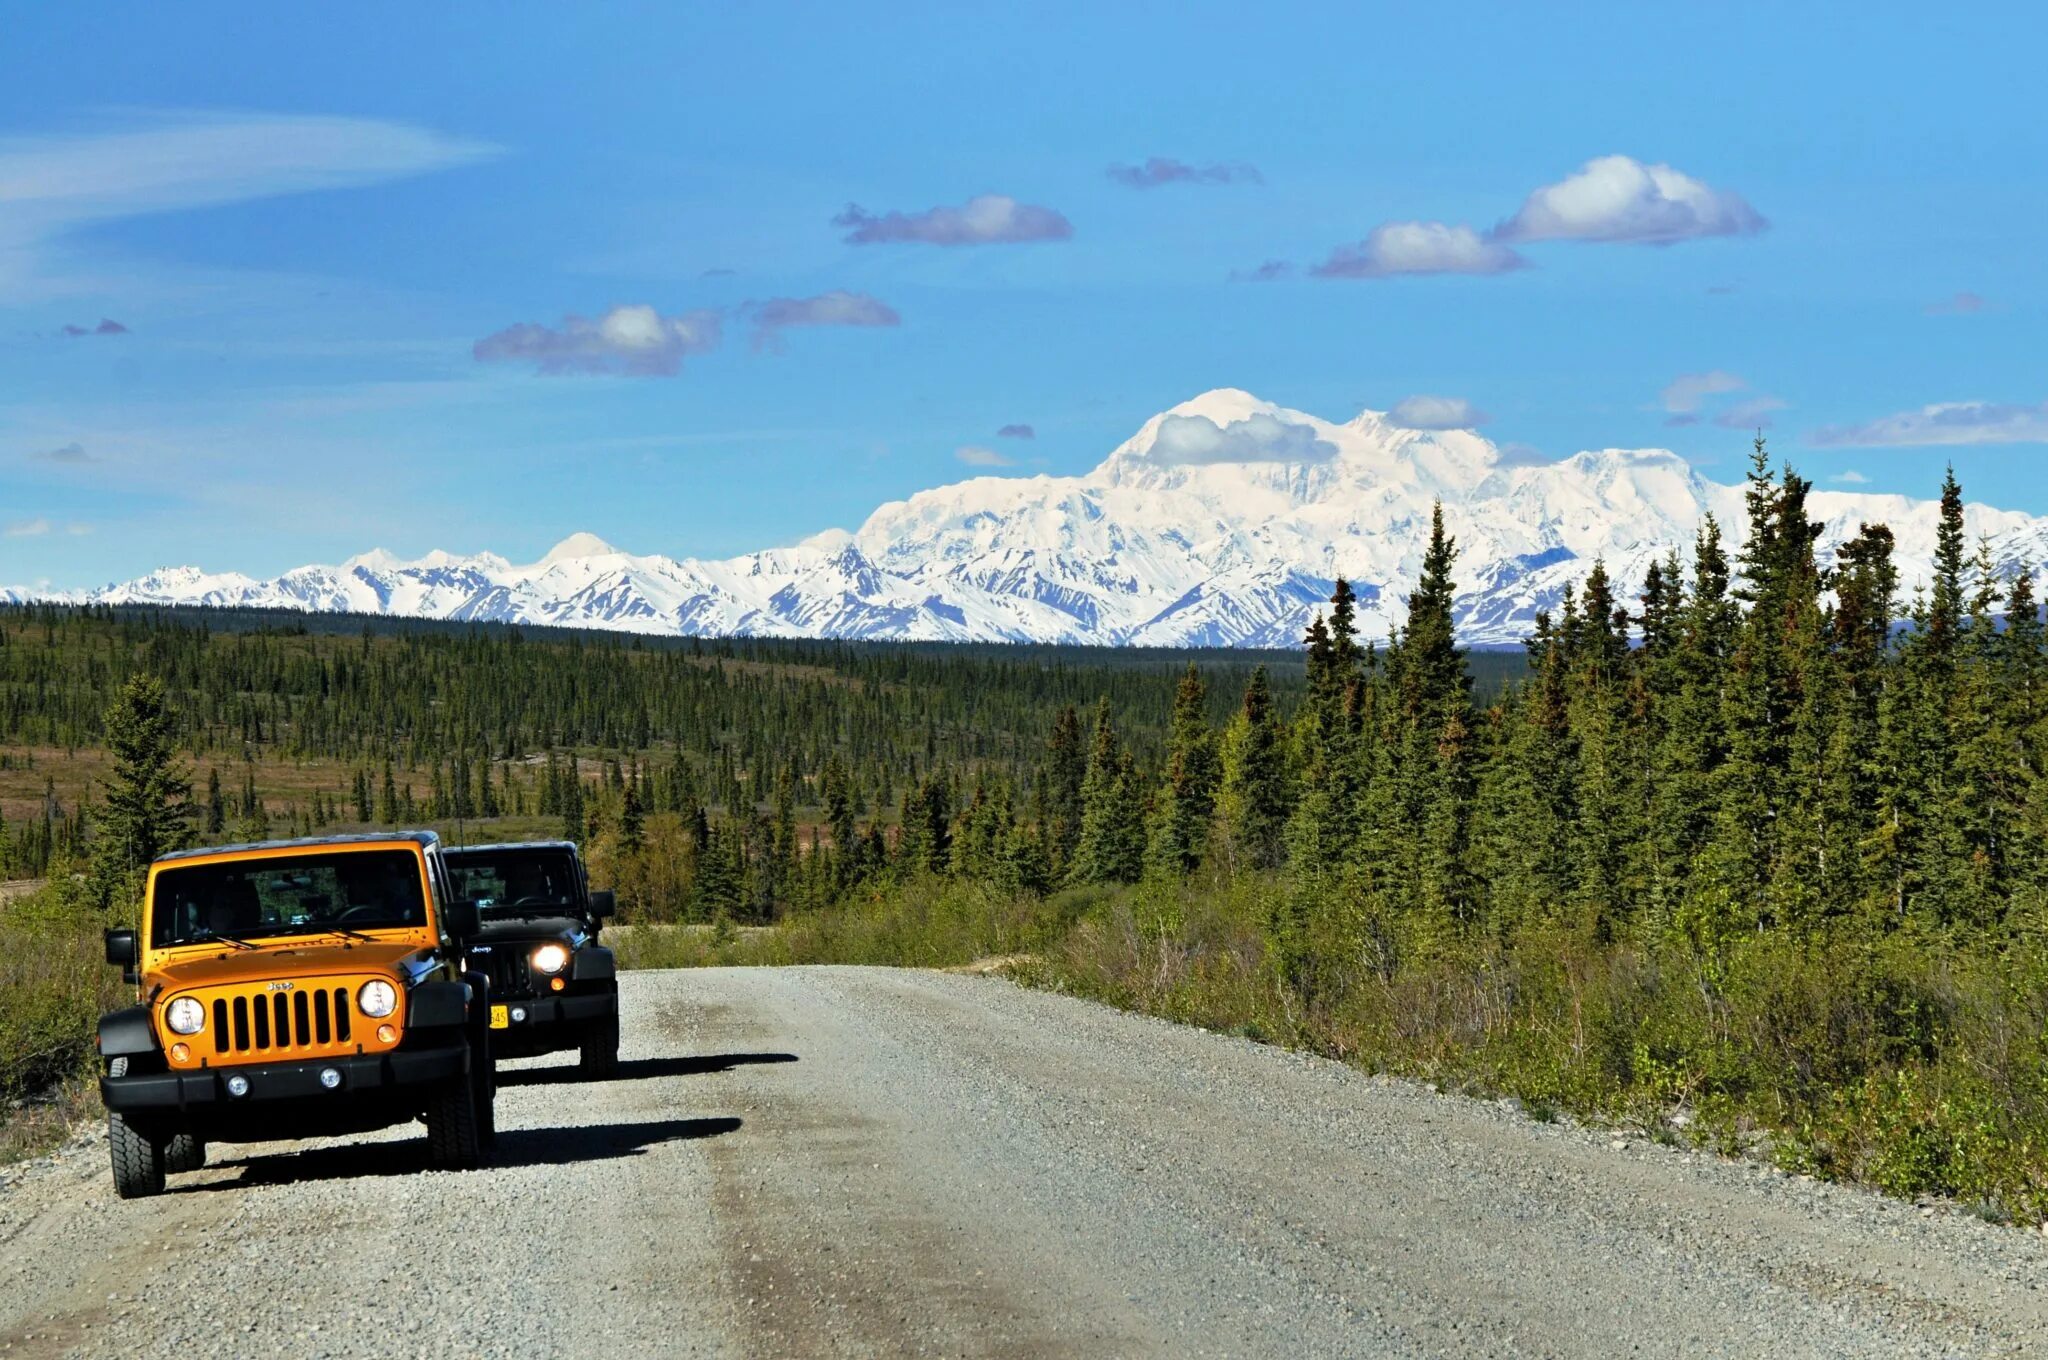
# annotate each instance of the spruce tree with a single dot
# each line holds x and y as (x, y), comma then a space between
(1252, 803)
(1187, 797)
(148, 793)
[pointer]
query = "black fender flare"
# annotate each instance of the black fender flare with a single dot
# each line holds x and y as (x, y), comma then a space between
(435, 1005)
(124, 1033)
(594, 963)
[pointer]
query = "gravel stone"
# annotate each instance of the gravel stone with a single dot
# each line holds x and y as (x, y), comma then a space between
(879, 1162)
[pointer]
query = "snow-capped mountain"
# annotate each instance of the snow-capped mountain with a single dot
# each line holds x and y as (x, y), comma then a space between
(1222, 522)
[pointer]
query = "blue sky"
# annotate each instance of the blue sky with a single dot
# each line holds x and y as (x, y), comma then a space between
(341, 247)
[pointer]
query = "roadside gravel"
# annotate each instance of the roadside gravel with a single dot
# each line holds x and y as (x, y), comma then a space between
(840, 1161)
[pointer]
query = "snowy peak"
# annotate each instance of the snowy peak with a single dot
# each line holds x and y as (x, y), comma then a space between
(1222, 521)
(577, 547)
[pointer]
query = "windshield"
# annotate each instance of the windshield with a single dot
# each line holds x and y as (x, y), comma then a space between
(300, 895)
(518, 882)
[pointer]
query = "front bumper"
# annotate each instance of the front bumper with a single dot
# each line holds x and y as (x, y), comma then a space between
(539, 1012)
(363, 1074)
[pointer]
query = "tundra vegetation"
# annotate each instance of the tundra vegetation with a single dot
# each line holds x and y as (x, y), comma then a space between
(1755, 861)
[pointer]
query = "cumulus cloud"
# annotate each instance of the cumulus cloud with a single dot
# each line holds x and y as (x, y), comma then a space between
(984, 220)
(73, 452)
(1192, 440)
(1523, 455)
(1754, 414)
(107, 326)
(28, 528)
(1018, 431)
(1265, 273)
(974, 455)
(1395, 248)
(1955, 422)
(1851, 477)
(1435, 413)
(1618, 198)
(836, 308)
(1684, 393)
(636, 341)
(1160, 170)
(1961, 304)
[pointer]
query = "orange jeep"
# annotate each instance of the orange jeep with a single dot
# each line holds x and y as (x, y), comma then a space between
(295, 989)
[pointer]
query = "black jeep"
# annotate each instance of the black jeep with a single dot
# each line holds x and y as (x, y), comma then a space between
(552, 985)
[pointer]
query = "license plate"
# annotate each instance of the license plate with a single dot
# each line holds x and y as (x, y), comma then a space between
(500, 1019)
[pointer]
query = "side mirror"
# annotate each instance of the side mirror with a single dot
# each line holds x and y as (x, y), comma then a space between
(462, 918)
(121, 947)
(603, 904)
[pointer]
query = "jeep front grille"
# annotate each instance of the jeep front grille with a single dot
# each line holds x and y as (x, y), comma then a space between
(311, 1018)
(506, 967)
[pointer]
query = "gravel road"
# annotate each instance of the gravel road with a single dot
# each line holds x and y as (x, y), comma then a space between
(835, 1161)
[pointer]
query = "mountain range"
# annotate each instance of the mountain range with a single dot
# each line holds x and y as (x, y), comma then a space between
(1222, 522)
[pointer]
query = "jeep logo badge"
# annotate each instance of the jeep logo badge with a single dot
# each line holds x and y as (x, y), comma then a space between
(278, 986)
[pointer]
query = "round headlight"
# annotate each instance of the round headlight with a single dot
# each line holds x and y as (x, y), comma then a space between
(185, 1016)
(551, 958)
(378, 998)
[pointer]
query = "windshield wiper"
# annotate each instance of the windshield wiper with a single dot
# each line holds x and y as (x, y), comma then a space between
(349, 934)
(212, 935)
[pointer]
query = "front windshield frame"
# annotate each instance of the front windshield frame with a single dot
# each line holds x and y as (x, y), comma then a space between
(565, 890)
(250, 898)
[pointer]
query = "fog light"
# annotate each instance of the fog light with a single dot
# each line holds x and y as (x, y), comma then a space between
(330, 1077)
(180, 1053)
(518, 1013)
(556, 984)
(238, 1086)
(386, 1035)
(118, 1067)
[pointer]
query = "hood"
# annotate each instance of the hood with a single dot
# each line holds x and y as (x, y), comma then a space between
(530, 930)
(288, 959)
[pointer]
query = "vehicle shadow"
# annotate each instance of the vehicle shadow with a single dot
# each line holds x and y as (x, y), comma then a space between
(514, 1148)
(641, 1069)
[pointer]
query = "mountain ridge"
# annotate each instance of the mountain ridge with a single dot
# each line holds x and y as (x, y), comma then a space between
(1223, 521)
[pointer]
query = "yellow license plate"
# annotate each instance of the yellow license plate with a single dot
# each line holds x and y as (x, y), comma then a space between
(499, 1018)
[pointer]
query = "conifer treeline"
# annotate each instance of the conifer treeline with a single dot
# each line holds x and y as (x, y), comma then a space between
(1785, 746)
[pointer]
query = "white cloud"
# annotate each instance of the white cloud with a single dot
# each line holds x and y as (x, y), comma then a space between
(1955, 422)
(1684, 393)
(1754, 414)
(1160, 170)
(1395, 248)
(27, 528)
(1960, 304)
(1618, 198)
(1436, 413)
(836, 308)
(1193, 440)
(1850, 477)
(974, 455)
(636, 341)
(984, 220)
(74, 452)
(50, 185)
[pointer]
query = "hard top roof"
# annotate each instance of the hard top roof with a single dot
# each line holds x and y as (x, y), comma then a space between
(509, 845)
(420, 838)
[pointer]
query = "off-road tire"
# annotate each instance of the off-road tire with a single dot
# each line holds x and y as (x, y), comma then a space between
(184, 1153)
(598, 1058)
(454, 1134)
(138, 1161)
